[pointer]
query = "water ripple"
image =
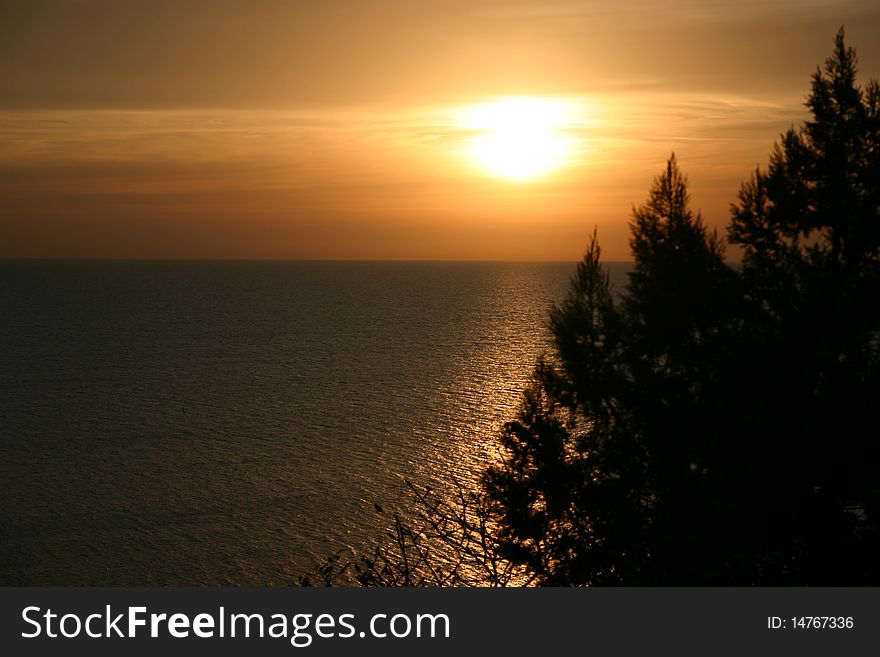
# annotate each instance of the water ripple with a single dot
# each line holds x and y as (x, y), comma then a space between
(227, 423)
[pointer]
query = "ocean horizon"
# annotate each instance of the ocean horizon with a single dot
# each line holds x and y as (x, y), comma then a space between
(235, 422)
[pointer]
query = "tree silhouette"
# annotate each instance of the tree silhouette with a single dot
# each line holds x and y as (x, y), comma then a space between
(710, 425)
(810, 230)
(604, 480)
(706, 424)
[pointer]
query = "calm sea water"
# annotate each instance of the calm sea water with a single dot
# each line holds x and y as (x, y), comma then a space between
(230, 423)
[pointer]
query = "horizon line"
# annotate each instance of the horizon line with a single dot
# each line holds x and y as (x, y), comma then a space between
(317, 260)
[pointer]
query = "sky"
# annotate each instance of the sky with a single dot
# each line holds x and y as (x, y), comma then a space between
(344, 129)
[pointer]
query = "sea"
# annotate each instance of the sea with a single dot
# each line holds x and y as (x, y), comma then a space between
(236, 422)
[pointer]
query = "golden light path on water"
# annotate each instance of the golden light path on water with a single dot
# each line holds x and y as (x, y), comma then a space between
(483, 389)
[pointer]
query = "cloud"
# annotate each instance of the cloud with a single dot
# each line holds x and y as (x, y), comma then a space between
(152, 54)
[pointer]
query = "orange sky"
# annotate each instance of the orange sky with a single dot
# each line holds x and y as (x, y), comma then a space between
(261, 129)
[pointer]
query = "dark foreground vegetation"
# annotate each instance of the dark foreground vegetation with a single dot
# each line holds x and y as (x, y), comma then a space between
(708, 424)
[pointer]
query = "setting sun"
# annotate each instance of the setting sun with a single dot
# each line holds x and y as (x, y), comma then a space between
(519, 138)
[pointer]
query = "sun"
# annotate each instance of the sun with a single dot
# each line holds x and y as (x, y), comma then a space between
(519, 138)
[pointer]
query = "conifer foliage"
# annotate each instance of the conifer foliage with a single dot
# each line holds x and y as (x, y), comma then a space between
(711, 424)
